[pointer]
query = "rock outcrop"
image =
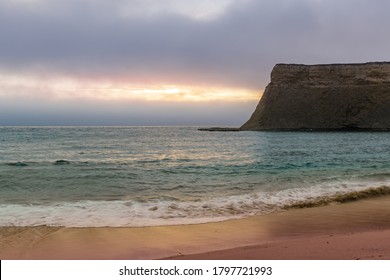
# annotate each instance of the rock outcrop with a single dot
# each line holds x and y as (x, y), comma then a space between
(325, 97)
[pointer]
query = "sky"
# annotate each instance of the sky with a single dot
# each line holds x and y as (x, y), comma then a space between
(169, 62)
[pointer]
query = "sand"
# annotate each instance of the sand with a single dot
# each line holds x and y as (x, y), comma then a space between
(355, 230)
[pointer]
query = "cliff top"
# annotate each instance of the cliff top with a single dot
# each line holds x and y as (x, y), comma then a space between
(325, 74)
(335, 64)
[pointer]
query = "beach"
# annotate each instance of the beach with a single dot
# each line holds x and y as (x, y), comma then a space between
(352, 230)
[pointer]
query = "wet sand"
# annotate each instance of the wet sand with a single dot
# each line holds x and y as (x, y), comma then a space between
(354, 230)
(371, 245)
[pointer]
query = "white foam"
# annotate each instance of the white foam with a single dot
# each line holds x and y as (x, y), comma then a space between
(137, 214)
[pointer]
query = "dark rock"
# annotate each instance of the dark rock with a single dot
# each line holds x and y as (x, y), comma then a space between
(61, 162)
(325, 97)
(219, 129)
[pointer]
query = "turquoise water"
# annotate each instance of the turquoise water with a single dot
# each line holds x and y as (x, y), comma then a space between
(143, 176)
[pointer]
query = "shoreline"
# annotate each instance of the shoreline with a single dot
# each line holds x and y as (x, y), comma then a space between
(353, 230)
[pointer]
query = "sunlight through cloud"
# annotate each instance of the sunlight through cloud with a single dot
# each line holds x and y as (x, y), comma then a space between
(67, 88)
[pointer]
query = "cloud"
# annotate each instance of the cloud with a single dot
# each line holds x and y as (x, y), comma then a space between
(160, 40)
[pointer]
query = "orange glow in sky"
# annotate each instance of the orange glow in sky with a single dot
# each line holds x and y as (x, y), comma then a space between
(67, 88)
(176, 93)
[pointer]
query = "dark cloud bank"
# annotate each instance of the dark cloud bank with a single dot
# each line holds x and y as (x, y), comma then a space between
(238, 48)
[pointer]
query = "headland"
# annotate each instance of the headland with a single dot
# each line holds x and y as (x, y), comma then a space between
(325, 97)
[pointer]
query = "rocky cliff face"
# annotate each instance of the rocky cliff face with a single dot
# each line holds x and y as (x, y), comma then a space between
(325, 97)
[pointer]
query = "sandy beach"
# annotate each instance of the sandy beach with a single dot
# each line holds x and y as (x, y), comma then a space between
(354, 230)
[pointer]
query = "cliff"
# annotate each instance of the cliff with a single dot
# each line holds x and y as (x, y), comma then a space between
(325, 97)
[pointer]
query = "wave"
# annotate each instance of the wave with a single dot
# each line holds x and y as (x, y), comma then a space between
(45, 163)
(341, 198)
(17, 164)
(172, 211)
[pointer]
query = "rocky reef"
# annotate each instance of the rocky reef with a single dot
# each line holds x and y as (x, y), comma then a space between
(325, 97)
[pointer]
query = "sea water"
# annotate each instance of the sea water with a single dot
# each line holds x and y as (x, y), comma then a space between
(145, 176)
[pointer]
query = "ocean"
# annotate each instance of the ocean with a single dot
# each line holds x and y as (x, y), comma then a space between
(148, 176)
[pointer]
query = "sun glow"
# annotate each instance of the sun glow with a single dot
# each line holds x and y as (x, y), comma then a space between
(180, 93)
(66, 88)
